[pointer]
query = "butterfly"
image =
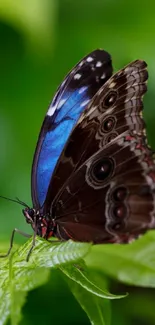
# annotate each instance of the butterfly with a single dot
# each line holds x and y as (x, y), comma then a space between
(93, 174)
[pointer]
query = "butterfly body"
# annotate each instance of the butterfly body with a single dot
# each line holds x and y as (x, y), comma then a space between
(93, 174)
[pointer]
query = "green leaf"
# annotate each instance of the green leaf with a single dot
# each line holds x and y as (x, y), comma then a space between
(17, 276)
(81, 275)
(90, 291)
(96, 308)
(132, 263)
(18, 299)
(49, 254)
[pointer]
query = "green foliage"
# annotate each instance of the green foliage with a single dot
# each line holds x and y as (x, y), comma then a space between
(97, 310)
(133, 264)
(35, 20)
(19, 276)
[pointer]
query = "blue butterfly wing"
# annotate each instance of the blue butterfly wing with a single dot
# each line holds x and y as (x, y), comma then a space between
(70, 101)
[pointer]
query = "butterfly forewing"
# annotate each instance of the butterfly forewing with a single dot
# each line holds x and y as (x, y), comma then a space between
(71, 99)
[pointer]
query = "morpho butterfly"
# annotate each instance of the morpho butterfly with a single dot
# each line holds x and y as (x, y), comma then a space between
(93, 174)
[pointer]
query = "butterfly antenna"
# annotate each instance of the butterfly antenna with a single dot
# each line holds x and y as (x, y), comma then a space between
(21, 202)
(16, 200)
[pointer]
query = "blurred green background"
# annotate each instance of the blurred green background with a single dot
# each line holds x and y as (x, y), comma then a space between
(40, 41)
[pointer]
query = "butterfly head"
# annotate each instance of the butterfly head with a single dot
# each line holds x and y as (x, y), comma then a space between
(42, 225)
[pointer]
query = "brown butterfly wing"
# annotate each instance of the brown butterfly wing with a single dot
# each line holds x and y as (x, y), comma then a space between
(110, 198)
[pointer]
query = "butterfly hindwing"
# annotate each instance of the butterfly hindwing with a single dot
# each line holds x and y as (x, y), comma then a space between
(115, 108)
(111, 196)
(71, 99)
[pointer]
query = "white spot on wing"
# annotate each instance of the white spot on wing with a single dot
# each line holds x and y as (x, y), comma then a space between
(62, 101)
(85, 102)
(82, 89)
(51, 110)
(99, 64)
(89, 59)
(81, 63)
(112, 84)
(149, 181)
(63, 83)
(77, 76)
(68, 189)
(103, 76)
(127, 69)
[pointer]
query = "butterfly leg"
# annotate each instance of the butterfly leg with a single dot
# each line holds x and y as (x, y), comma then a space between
(31, 249)
(12, 240)
(34, 239)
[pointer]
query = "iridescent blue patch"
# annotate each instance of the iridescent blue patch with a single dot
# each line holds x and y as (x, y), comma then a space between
(55, 139)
